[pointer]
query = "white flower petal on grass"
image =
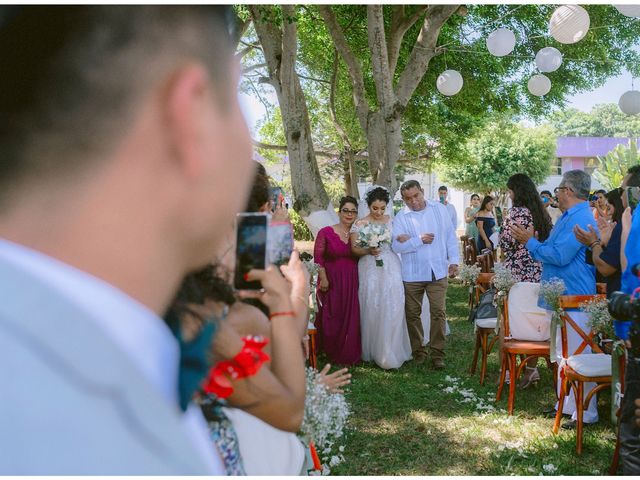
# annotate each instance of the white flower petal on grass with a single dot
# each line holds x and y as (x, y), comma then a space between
(549, 468)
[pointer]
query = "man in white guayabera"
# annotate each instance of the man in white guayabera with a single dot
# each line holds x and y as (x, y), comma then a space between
(425, 238)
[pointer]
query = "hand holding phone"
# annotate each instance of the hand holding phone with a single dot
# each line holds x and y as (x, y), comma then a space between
(251, 248)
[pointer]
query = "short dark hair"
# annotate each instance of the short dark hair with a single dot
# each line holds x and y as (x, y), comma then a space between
(259, 190)
(409, 184)
(72, 77)
(347, 199)
(377, 193)
(475, 195)
(443, 187)
(634, 176)
(546, 192)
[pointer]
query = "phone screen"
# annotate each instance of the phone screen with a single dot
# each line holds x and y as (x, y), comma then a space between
(633, 196)
(499, 216)
(251, 248)
(280, 243)
(276, 193)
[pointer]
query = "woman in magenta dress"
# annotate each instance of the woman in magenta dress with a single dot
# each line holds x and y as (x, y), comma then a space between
(338, 319)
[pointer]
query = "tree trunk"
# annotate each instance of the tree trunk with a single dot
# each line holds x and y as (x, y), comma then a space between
(279, 45)
(350, 175)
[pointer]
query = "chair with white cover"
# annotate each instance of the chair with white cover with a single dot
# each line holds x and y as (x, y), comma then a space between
(526, 334)
(579, 368)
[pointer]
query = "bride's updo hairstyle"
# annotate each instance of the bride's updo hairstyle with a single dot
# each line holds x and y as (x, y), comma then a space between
(377, 193)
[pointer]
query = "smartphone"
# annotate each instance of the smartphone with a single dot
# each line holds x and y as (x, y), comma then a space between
(251, 248)
(442, 199)
(276, 195)
(498, 215)
(279, 243)
(633, 196)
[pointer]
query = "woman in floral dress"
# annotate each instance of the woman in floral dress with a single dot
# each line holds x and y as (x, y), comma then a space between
(527, 210)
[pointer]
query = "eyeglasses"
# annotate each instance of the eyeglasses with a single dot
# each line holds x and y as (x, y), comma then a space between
(555, 190)
(349, 212)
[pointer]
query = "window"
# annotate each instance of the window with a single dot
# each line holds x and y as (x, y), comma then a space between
(590, 164)
(556, 166)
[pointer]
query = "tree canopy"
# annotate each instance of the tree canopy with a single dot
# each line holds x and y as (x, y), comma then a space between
(501, 149)
(604, 120)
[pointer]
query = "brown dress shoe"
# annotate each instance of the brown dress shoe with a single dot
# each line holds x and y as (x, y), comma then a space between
(438, 363)
(420, 358)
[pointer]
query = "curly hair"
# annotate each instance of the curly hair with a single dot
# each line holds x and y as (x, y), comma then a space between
(525, 194)
(377, 193)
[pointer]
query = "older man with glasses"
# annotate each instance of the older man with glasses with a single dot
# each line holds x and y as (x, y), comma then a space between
(563, 257)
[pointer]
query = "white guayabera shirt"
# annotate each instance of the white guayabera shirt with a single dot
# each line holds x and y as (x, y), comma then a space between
(422, 262)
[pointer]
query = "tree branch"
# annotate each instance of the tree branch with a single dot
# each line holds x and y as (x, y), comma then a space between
(400, 23)
(283, 148)
(251, 68)
(423, 51)
(320, 80)
(332, 103)
(379, 58)
(353, 66)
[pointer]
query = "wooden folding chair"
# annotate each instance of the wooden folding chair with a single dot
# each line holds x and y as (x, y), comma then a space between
(484, 329)
(512, 349)
(484, 262)
(313, 353)
(470, 254)
(580, 368)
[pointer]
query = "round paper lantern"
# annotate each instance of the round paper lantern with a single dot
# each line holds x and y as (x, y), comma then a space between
(539, 85)
(569, 23)
(629, 10)
(629, 102)
(501, 42)
(449, 82)
(548, 59)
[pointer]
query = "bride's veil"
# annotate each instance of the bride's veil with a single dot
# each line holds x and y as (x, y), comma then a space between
(363, 208)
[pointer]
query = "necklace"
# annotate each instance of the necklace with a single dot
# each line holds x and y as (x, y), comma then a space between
(344, 234)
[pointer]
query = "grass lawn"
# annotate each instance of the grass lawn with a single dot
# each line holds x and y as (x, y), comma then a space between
(418, 421)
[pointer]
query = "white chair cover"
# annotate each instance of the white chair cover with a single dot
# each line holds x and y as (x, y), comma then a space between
(527, 321)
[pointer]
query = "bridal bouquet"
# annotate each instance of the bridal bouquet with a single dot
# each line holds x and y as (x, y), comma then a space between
(374, 235)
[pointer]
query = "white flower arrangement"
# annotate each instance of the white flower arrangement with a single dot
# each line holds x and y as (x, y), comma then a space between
(374, 235)
(325, 417)
(600, 320)
(469, 273)
(312, 267)
(503, 279)
(551, 291)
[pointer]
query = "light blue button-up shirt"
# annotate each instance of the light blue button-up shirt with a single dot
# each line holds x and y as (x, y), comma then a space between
(629, 281)
(422, 262)
(563, 256)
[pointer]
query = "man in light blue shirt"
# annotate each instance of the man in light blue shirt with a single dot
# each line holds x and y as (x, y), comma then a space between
(563, 257)
(425, 238)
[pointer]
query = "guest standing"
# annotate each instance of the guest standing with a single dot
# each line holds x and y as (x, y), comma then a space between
(528, 210)
(470, 213)
(604, 252)
(563, 257)
(443, 193)
(338, 319)
(485, 222)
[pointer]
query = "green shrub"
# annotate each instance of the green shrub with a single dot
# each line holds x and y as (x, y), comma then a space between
(301, 231)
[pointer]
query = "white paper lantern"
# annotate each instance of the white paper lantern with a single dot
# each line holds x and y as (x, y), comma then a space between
(501, 42)
(548, 59)
(449, 82)
(539, 85)
(569, 23)
(629, 10)
(629, 102)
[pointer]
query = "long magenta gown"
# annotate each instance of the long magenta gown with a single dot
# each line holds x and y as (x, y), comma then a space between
(338, 319)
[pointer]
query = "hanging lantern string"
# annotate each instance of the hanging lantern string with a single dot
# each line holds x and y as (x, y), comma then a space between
(507, 15)
(532, 57)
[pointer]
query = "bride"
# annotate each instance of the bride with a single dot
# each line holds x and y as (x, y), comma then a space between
(385, 338)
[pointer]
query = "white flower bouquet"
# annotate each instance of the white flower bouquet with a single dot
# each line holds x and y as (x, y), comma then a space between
(600, 320)
(325, 416)
(551, 291)
(374, 235)
(469, 273)
(503, 279)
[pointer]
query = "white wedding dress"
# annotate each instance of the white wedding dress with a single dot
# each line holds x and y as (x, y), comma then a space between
(385, 338)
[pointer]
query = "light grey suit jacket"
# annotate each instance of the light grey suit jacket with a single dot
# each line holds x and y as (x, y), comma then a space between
(71, 402)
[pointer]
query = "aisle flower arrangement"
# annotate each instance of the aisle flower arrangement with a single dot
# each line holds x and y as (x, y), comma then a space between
(551, 291)
(325, 417)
